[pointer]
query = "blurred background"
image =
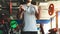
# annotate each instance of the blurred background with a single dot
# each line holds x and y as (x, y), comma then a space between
(9, 16)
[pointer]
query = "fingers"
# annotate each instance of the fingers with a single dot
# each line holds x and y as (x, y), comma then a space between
(21, 8)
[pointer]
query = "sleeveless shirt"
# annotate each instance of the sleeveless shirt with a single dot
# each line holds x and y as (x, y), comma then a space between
(29, 18)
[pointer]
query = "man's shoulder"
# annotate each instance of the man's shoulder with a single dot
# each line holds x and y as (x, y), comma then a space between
(22, 4)
(34, 5)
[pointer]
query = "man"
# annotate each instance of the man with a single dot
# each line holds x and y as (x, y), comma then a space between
(30, 13)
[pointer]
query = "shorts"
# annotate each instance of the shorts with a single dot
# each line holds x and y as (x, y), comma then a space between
(20, 21)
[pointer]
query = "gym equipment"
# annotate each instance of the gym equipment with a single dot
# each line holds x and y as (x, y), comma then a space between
(51, 9)
(53, 31)
(10, 24)
(42, 22)
(13, 24)
(1, 32)
(10, 7)
(4, 26)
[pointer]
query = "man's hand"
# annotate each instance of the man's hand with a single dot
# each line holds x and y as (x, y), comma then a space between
(21, 8)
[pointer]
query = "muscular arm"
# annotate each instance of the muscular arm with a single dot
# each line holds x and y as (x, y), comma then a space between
(37, 13)
(21, 11)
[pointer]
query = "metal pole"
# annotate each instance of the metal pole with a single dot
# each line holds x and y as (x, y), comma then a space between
(51, 23)
(57, 21)
(10, 7)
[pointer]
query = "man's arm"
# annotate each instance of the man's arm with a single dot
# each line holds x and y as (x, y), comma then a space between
(21, 11)
(37, 13)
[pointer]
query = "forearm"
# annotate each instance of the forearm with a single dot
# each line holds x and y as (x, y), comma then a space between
(21, 13)
(37, 14)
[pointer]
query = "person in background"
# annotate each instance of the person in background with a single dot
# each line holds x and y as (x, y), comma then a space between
(29, 12)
